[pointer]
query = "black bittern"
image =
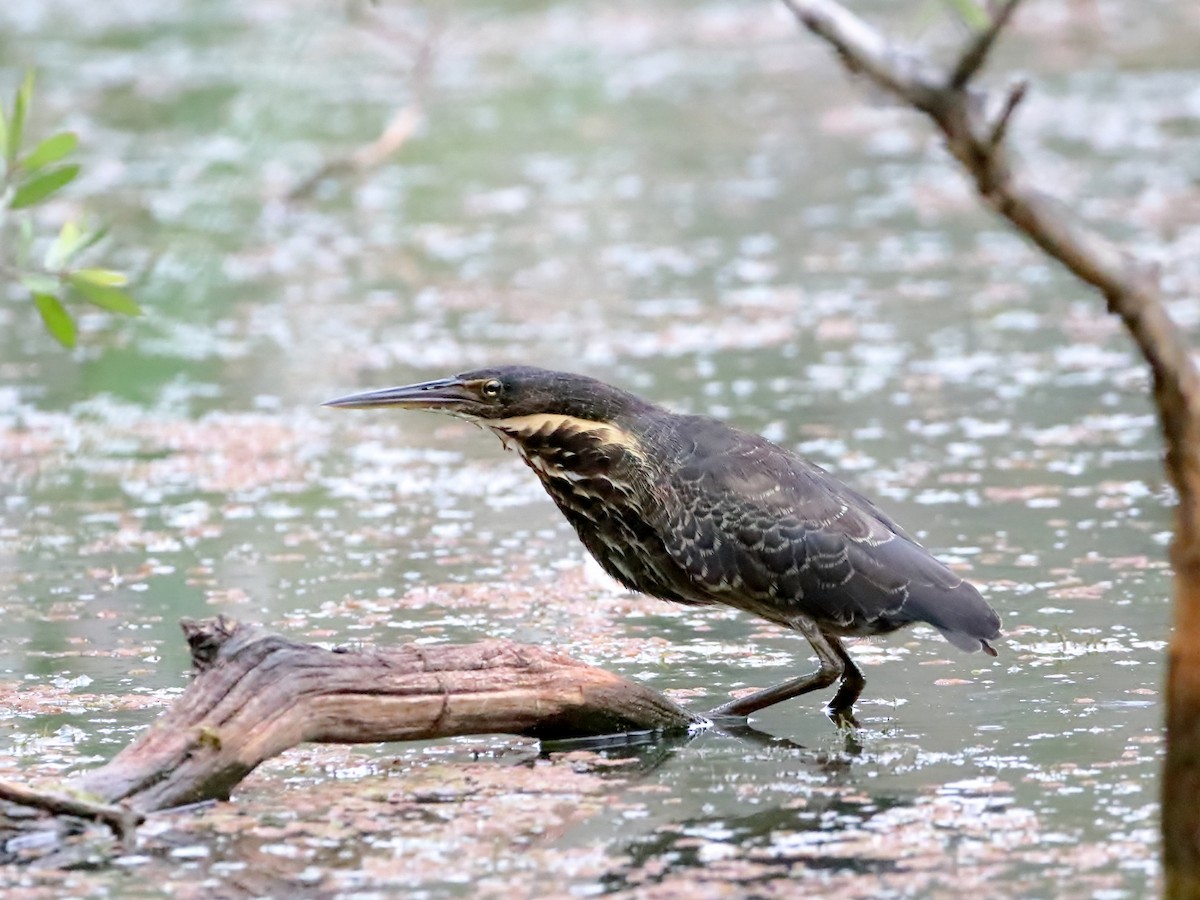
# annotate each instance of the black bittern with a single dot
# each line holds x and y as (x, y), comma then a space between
(688, 509)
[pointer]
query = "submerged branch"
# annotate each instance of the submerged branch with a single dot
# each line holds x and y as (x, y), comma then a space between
(121, 819)
(403, 124)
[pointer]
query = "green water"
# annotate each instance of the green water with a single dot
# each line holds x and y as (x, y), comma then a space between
(693, 202)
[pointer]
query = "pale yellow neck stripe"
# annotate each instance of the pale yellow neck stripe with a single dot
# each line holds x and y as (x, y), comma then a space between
(548, 423)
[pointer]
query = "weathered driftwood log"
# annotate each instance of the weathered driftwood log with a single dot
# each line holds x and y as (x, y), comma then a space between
(257, 694)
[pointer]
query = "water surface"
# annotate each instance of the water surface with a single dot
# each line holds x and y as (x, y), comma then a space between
(692, 202)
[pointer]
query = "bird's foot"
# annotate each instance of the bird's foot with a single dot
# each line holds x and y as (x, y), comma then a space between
(841, 707)
(842, 717)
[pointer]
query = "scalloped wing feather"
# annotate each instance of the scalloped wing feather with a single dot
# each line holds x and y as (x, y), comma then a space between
(753, 520)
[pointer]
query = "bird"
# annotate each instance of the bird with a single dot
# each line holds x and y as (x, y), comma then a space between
(689, 509)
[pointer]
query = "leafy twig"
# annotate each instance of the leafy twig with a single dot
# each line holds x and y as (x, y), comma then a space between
(26, 181)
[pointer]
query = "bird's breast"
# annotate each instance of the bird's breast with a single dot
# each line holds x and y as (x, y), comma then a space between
(596, 473)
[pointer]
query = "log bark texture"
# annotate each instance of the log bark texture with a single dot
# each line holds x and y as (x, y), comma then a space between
(256, 694)
(974, 123)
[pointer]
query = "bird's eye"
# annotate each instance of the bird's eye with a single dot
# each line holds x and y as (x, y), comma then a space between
(492, 389)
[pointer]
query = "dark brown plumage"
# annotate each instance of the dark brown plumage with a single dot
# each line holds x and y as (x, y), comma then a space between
(688, 509)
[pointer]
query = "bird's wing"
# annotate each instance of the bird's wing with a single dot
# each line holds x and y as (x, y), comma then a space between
(750, 520)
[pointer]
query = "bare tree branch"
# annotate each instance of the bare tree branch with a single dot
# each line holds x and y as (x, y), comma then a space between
(960, 112)
(1015, 95)
(976, 54)
(1131, 289)
(865, 50)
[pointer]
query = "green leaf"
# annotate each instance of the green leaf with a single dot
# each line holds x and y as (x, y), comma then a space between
(104, 277)
(105, 297)
(93, 238)
(51, 150)
(3, 134)
(42, 186)
(58, 321)
(69, 242)
(37, 283)
(20, 111)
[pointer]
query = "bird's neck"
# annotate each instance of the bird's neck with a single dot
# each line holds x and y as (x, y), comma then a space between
(569, 448)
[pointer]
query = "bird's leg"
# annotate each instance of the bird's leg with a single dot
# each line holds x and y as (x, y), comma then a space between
(832, 660)
(853, 680)
(841, 706)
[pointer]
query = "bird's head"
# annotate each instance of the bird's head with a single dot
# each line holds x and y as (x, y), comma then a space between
(504, 394)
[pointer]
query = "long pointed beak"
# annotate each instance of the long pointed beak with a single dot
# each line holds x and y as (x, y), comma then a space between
(443, 394)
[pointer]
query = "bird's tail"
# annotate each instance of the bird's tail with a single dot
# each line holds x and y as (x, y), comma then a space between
(962, 616)
(968, 642)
